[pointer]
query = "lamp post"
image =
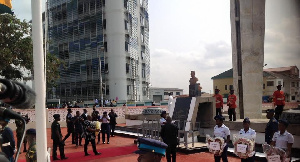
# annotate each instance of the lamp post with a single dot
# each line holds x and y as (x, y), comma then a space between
(100, 77)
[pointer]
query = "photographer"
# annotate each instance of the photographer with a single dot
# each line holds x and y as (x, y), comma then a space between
(105, 128)
(20, 130)
(8, 143)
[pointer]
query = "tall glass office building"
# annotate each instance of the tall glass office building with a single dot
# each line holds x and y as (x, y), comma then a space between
(104, 44)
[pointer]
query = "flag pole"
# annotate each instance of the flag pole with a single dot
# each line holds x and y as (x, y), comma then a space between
(39, 80)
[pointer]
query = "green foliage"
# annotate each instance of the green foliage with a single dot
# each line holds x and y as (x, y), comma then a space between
(16, 51)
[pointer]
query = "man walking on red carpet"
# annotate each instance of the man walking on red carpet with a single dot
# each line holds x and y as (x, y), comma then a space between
(89, 135)
(279, 102)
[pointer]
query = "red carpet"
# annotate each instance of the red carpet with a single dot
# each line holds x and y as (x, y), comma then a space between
(107, 152)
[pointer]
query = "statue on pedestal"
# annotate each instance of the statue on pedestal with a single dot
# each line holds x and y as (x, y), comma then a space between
(194, 88)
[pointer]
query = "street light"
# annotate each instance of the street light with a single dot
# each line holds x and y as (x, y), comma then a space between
(100, 75)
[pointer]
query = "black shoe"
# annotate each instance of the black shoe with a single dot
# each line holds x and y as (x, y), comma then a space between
(55, 158)
(97, 153)
(107, 142)
(87, 154)
(112, 135)
(64, 158)
(103, 142)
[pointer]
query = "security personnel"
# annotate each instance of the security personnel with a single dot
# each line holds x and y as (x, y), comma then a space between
(70, 126)
(78, 128)
(232, 105)
(247, 131)
(220, 130)
(31, 154)
(283, 139)
(57, 138)
(150, 150)
(279, 101)
(219, 102)
(19, 131)
(84, 114)
(8, 141)
(113, 121)
(169, 133)
(272, 126)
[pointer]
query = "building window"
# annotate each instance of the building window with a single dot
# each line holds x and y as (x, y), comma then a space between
(143, 71)
(105, 46)
(297, 84)
(293, 84)
(279, 82)
(125, 3)
(126, 46)
(230, 87)
(225, 87)
(128, 90)
(166, 93)
(270, 83)
(104, 23)
(293, 97)
(264, 86)
(107, 90)
(144, 91)
(127, 68)
(177, 93)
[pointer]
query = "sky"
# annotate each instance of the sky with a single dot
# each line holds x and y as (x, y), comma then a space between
(195, 35)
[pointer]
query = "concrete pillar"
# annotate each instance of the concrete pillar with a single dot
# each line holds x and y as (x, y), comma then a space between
(247, 38)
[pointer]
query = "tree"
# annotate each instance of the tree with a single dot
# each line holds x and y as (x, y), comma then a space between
(16, 51)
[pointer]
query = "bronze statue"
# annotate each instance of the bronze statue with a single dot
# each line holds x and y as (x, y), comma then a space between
(194, 88)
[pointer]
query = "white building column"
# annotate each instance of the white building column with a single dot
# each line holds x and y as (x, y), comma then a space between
(248, 28)
(116, 57)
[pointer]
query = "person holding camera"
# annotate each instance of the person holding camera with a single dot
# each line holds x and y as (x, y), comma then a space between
(105, 127)
(8, 141)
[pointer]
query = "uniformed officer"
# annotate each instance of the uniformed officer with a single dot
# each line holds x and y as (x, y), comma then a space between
(31, 137)
(231, 105)
(272, 126)
(169, 134)
(84, 114)
(19, 131)
(70, 126)
(248, 133)
(150, 150)
(57, 138)
(8, 141)
(220, 130)
(78, 128)
(279, 101)
(219, 102)
(283, 139)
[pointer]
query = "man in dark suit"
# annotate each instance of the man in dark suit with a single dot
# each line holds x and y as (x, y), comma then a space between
(169, 133)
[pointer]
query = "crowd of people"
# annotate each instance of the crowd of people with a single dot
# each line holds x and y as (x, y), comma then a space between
(83, 126)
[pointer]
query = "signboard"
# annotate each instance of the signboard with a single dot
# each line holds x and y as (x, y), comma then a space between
(214, 145)
(241, 148)
(274, 158)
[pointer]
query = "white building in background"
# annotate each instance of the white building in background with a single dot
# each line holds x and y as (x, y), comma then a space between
(162, 94)
(101, 41)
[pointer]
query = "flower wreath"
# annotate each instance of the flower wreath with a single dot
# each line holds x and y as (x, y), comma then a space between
(220, 140)
(271, 151)
(244, 140)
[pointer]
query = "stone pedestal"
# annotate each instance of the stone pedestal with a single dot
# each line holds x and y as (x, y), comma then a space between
(248, 30)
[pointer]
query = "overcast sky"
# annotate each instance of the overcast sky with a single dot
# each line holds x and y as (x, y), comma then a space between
(188, 35)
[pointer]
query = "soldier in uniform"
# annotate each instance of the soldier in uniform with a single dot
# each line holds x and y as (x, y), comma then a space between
(150, 150)
(31, 154)
(231, 105)
(169, 133)
(70, 126)
(84, 114)
(272, 126)
(279, 102)
(219, 102)
(8, 141)
(78, 128)
(57, 138)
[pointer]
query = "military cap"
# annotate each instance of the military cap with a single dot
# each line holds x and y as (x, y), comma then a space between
(246, 120)
(270, 111)
(284, 122)
(150, 145)
(217, 89)
(55, 116)
(162, 113)
(5, 119)
(219, 117)
(31, 131)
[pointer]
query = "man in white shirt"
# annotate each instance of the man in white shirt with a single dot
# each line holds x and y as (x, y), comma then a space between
(105, 128)
(283, 139)
(220, 130)
(248, 133)
(170, 102)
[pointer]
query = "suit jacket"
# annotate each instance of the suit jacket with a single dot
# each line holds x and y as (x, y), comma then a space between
(169, 133)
